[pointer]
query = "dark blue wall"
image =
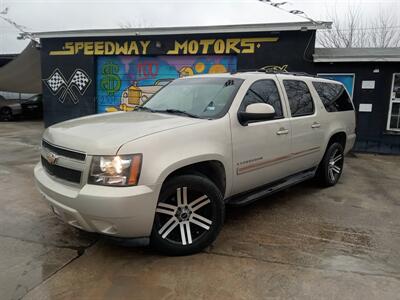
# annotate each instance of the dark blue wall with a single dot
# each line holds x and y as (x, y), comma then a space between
(372, 135)
(294, 50)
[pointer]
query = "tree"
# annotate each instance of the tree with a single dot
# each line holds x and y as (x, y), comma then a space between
(355, 30)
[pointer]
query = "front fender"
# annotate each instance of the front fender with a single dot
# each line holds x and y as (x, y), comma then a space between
(166, 152)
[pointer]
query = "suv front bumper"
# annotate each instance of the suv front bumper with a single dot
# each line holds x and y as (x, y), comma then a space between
(118, 211)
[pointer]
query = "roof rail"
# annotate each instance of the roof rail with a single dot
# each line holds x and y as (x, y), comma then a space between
(276, 71)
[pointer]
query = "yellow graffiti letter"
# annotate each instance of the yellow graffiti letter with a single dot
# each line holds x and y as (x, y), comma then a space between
(88, 48)
(248, 44)
(121, 49)
(98, 48)
(219, 46)
(78, 46)
(145, 45)
(231, 46)
(133, 48)
(206, 44)
(193, 47)
(109, 48)
(68, 49)
(179, 46)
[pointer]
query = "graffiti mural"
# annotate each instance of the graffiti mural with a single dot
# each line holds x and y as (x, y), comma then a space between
(124, 82)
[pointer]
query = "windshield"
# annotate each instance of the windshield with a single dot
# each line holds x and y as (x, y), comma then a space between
(204, 97)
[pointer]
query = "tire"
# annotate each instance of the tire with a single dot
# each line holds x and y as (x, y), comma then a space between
(6, 114)
(192, 225)
(331, 167)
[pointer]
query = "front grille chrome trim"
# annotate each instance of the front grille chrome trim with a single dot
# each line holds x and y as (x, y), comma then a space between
(68, 165)
(60, 172)
(73, 154)
(63, 161)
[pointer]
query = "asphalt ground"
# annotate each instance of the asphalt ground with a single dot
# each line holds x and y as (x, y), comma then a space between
(303, 243)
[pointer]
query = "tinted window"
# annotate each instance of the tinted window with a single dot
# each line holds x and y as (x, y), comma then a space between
(299, 97)
(263, 91)
(333, 96)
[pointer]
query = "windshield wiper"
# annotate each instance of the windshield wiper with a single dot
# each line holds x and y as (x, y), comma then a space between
(177, 111)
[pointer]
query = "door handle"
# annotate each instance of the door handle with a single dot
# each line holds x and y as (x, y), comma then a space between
(316, 125)
(282, 131)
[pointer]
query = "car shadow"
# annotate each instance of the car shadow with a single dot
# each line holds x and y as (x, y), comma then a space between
(233, 216)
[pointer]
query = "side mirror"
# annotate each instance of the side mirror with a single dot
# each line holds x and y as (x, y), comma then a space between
(256, 112)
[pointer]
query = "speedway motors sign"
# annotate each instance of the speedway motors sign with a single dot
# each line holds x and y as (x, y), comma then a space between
(185, 47)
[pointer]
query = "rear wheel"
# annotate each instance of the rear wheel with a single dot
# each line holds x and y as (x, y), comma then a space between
(6, 114)
(189, 215)
(331, 166)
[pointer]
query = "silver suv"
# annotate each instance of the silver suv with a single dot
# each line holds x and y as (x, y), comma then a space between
(166, 170)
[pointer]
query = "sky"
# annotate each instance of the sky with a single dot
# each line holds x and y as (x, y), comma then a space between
(53, 15)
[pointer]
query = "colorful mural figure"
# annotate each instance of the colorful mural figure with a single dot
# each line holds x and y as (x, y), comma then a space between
(123, 82)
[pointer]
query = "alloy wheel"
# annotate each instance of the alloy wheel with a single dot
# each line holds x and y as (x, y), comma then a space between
(6, 114)
(184, 217)
(335, 165)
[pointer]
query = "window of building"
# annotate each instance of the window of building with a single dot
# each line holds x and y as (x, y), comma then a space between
(299, 96)
(333, 96)
(394, 108)
(346, 78)
(264, 91)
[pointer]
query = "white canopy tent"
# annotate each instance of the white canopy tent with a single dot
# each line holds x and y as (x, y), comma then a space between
(23, 74)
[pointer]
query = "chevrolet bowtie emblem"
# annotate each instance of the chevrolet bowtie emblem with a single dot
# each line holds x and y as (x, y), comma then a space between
(51, 158)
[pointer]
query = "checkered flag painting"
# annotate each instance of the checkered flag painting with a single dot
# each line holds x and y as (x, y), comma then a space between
(55, 81)
(79, 80)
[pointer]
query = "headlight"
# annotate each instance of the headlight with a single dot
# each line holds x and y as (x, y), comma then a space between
(121, 170)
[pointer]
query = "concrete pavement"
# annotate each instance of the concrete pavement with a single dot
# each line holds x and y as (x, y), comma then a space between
(302, 243)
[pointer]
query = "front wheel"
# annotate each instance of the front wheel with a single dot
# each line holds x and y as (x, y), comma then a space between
(331, 166)
(189, 215)
(6, 114)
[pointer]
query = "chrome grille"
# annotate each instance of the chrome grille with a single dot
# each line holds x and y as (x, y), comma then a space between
(61, 172)
(63, 163)
(64, 152)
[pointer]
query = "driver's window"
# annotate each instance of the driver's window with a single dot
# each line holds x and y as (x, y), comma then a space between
(263, 91)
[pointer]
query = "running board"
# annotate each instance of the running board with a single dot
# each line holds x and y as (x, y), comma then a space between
(266, 190)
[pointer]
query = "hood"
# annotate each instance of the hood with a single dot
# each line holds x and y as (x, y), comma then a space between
(105, 133)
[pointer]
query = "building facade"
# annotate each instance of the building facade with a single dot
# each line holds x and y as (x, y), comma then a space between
(373, 77)
(88, 72)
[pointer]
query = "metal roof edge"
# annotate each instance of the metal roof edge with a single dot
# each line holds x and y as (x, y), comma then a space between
(184, 30)
(357, 59)
(356, 54)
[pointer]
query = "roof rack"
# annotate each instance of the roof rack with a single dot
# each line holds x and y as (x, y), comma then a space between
(276, 71)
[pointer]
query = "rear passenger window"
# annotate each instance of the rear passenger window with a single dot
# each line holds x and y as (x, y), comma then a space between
(263, 91)
(333, 96)
(299, 96)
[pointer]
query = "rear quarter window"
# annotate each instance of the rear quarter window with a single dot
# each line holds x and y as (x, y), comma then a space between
(333, 96)
(299, 97)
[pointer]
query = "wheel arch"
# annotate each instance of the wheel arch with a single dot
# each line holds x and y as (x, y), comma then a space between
(338, 137)
(213, 169)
